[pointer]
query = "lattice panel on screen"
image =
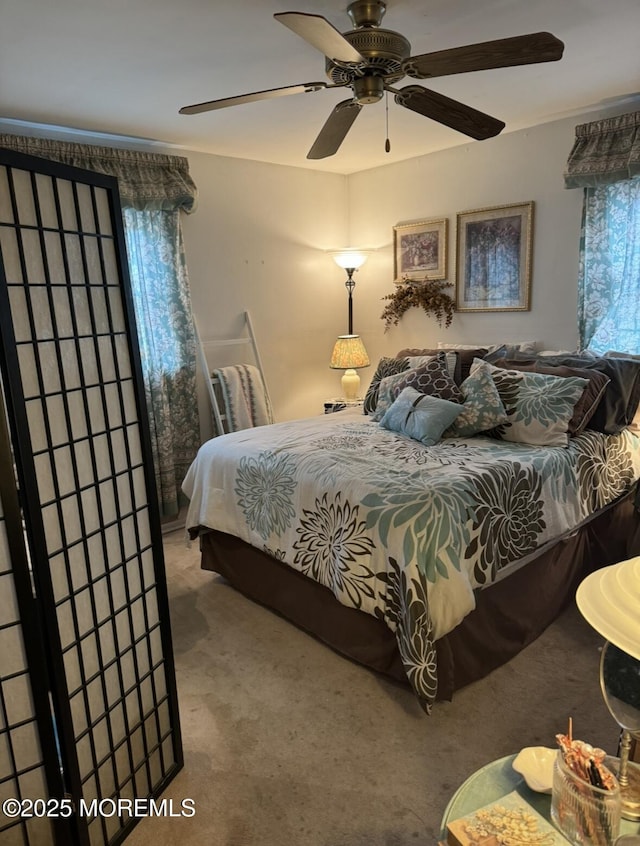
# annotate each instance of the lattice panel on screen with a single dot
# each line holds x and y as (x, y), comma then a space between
(96, 542)
(22, 771)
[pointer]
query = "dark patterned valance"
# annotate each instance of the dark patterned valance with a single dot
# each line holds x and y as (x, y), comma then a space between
(604, 151)
(145, 180)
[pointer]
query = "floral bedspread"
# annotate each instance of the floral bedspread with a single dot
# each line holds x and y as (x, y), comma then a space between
(396, 529)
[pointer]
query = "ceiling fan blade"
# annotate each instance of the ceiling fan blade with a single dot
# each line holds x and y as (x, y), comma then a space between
(322, 35)
(335, 130)
(501, 53)
(449, 112)
(210, 105)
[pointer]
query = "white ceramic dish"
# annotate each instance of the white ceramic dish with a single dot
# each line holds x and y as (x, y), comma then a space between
(535, 765)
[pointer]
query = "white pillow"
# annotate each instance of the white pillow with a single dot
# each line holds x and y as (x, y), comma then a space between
(520, 346)
(556, 352)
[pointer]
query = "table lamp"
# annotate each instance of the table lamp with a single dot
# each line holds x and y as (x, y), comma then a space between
(609, 600)
(348, 354)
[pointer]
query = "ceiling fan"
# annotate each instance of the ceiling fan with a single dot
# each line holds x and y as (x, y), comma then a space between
(370, 60)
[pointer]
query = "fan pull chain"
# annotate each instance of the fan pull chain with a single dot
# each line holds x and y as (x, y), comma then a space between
(387, 143)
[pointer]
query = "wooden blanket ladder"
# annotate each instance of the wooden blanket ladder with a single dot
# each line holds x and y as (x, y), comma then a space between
(247, 338)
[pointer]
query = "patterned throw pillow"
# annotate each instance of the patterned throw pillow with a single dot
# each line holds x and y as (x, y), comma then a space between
(432, 378)
(386, 367)
(482, 408)
(539, 407)
(421, 417)
(387, 392)
(451, 358)
(462, 358)
(621, 399)
(592, 395)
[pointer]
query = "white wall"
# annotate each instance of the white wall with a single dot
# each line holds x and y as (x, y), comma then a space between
(257, 241)
(258, 238)
(512, 168)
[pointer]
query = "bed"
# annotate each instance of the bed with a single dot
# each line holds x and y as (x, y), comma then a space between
(432, 563)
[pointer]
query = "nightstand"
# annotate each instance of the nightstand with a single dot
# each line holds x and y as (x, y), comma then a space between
(338, 404)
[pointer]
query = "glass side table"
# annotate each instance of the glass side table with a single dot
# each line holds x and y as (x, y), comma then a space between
(497, 779)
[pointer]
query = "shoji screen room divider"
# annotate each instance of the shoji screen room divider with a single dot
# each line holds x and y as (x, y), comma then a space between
(88, 706)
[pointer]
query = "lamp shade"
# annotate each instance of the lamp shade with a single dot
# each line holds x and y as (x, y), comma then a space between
(349, 258)
(609, 600)
(349, 353)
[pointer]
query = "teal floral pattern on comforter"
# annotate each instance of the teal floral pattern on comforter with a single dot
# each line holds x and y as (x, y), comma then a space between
(402, 531)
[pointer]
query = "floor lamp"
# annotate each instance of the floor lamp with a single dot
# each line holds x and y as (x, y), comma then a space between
(350, 260)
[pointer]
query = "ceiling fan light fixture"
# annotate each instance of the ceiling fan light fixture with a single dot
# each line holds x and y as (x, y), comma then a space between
(368, 89)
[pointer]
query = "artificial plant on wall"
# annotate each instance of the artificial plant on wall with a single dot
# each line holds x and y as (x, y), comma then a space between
(429, 295)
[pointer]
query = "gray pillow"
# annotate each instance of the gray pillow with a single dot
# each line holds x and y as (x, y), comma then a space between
(386, 367)
(621, 400)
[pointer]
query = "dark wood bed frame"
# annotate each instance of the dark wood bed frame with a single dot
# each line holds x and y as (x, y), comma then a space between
(509, 614)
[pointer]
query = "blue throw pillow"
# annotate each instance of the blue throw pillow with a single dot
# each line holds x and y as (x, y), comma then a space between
(421, 417)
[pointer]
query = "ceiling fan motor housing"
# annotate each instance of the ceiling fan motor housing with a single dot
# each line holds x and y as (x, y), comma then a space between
(384, 51)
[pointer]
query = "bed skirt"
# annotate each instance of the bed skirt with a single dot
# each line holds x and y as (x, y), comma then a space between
(509, 614)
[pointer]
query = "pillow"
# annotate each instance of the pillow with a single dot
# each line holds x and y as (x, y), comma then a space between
(431, 378)
(634, 426)
(539, 406)
(588, 403)
(387, 394)
(619, 404)
(423, 418)
(556, 352)
(386, 367)
(514, 346)
(482, 408)
(464, 358)
(635, 422)
(618, 354)
(511, 351)
(450, 359)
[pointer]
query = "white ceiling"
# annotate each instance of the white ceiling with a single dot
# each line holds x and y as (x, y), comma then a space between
(124, 67)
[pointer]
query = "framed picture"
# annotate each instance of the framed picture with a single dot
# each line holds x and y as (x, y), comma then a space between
(420, 250)
(493, 258)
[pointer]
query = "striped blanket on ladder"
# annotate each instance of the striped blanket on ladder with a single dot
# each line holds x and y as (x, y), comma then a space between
(244, 398)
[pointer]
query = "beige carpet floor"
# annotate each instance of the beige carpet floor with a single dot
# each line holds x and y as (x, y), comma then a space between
(288, 744)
